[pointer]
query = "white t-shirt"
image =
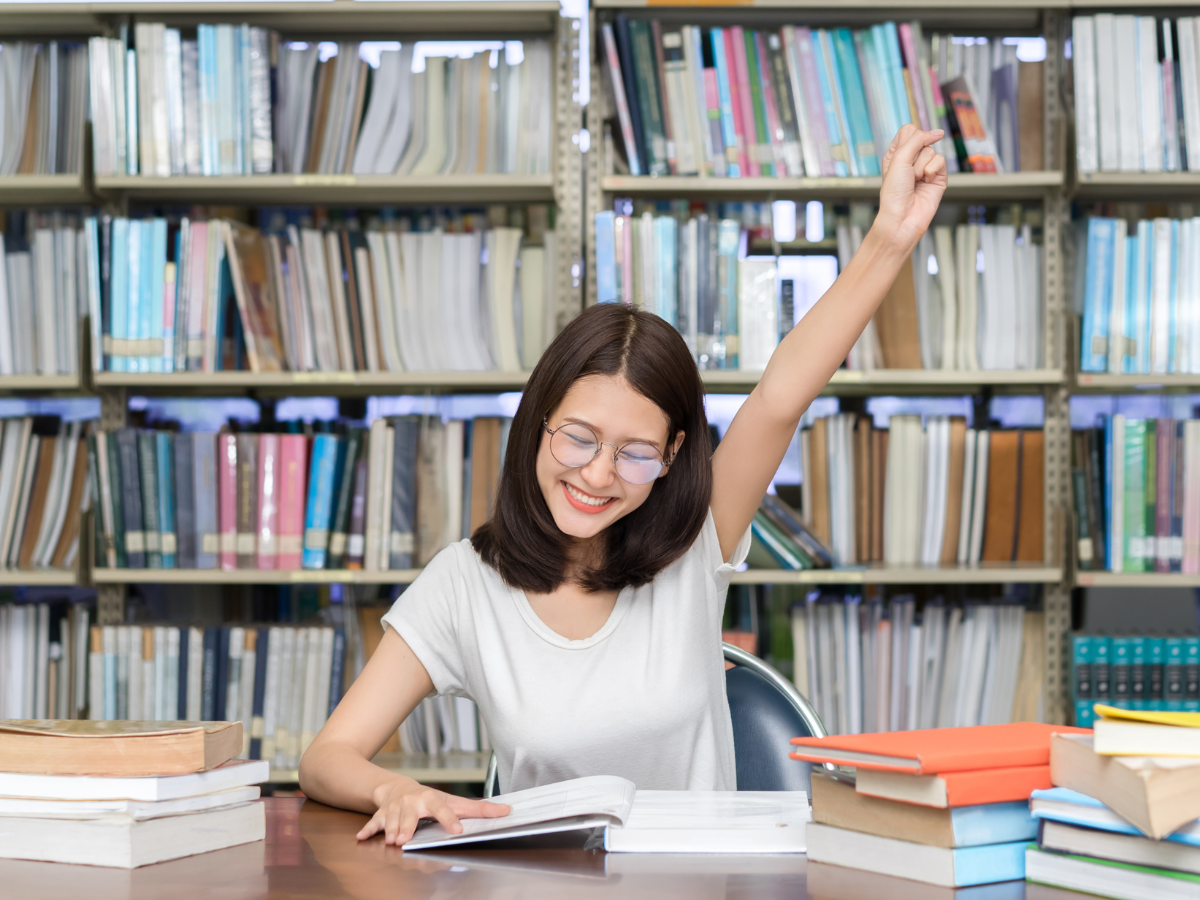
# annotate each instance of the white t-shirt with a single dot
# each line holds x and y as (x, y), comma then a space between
(643, 697)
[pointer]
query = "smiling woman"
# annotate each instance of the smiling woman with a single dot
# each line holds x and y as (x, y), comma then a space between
(584, 617)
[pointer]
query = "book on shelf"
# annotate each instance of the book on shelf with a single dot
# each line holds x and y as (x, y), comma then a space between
(1137, 98)
(1123, 732)
(793, 102)
(970, 300)
(1134, 672)
(233, 99)
(1138, 296)
(45, 90)
(287, 501)
(465, 293)
(867, 667)
(45, 660)
(1136, 487)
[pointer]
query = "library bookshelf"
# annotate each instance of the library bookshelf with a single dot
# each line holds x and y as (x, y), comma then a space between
(441, 768)
(1086, 579)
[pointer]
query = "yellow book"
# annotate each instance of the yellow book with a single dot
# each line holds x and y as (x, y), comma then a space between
(1182, 719)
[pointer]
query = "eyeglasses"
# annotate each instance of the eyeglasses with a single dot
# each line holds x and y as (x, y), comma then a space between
(576, 445)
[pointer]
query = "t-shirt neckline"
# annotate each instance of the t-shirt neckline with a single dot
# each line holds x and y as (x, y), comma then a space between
(550, 636)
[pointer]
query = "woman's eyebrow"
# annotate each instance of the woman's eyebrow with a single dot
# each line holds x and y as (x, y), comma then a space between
(628, 440)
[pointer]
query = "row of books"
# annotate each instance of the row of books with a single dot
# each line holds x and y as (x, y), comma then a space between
(43, 492)
(174, 294)
(43, 660)
(734, 102)
(1137, 495)
(441, 725)
(239, 100)
(47, 264)
(44, 87)
(866, 666)
(970, 299)
(1134, 672)
(1137, 93)
(387, 497)
(911, 495)
(1141, 296)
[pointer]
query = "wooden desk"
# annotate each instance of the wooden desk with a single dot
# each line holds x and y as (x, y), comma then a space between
(310, 852)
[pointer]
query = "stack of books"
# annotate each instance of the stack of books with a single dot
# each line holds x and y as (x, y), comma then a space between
(1121, 820)
(45, 91)
(946, 806)
(125, 794)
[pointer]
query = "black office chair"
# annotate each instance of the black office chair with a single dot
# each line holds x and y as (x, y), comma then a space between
(767, 712)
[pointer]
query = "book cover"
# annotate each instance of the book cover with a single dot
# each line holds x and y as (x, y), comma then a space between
(292, 469)
(269, 490)
(168, 545)
(247, 500)
(131, 498)
(227, 512)
(184, 486)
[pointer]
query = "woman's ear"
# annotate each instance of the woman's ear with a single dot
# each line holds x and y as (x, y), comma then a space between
(673, 451)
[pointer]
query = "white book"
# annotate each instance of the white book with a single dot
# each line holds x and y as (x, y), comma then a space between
(171, 711)
(195, 673)
(758, 326)
(366, 305)
(1116, 312)
(415, 145)
(504, 245)
(297, 694)
(968, 496)
(271, 692)
(138, 810)
(190, 91)
(124, 842)
(912, 697)
(173, 74)
(967, 249)
(262, 145)
(841, 676)
(385, 296)
(233, 675)
(45, 295)
(27, 470)
(1161, 290)
(1149, 94)
(101, 103)
(286, 688)
(1087, 125)
(1125, 42)
(854, 680)
(712, 822)
(1106, 93)
(380, 112)
(324, 679)
(333, 263)
(312, 682)
(979, 503)
(433, 154)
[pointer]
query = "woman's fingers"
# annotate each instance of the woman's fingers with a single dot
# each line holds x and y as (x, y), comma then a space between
(901, 136)
(392, 826)
(372, 827)
(910, 148)
(924, 158)
(444, 814)
(935, 168)
(407, 827)
(465, 808)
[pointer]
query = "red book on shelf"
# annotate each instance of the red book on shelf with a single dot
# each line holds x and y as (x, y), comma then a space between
(227, 505)
(293, 453)
(268, 501)
(932, 751)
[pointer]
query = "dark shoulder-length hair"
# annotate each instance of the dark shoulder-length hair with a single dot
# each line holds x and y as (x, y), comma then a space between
(521, 540)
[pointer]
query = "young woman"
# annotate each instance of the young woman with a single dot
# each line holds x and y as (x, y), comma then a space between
(584, 619)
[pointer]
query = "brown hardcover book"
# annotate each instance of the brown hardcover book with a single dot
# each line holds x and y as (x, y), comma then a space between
(1031, 680)
(29, 161)
(878, 476)
(254, 291)
(839, 804)
(356, 333)
(88, 747)
(485, 468)
(71, 524)
(896, 323)
(1003, 496)
(862, 488)
(819, 453)
(37, 503)
(954, 485)
(360, 94)
(1031, 118)
(1031, 521)
(320, 114)
(247, 500)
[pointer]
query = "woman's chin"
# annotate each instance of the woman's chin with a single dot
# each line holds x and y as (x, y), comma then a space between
(581, 525)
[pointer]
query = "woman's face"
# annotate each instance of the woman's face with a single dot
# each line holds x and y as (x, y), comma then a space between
(586, 500)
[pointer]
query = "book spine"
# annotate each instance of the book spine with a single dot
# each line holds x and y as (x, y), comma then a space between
(743, 104)
(209, 674)
(268, 501)
(1173, 673)
(293, 456)
(148, 481)
(262, 653)
(325, 455)
(166, 499)
(185, 500)
(247, 500)
(731, 137)
(1191, 674)
(356, 535)
(337, 669)
(227, 474)
(1121, 682)
(1102, 669)
(348, 453)
(1156, 658)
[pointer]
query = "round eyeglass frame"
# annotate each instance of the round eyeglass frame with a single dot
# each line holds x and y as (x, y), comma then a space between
(663, 463)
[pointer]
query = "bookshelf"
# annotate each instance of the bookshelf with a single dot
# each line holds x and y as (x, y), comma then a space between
(46, 190)
(105, 576)
(39, 578)
(984, 573)
(28, 384)
(1085, 579)
(468, 768)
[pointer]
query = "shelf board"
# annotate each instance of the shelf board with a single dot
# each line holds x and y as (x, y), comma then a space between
(341, 190)
(38, 577)
(904, 381)
(426, 768)
(38, 383)
(1136, 579)
(335, 383)
(984, 573)
(295, 18)
(253, 576)
(1137, 185)
(1013, 186)
(1103, 382)
(18, 190)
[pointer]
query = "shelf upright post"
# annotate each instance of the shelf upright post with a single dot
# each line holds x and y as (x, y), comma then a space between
(110, 598)
(597, 161)
(1057, 423)
(568, 186)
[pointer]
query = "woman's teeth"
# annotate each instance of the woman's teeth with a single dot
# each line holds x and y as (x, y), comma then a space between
(587, 498)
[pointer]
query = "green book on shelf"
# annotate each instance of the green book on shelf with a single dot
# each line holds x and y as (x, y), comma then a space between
(1149, 495)
(762, 133)
(1135, 490)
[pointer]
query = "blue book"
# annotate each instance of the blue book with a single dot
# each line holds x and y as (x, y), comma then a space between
(820, 45)
(733, 167)
(258, 697)
(1173, 674)
(891, 46)
(319, 507)
(166, 497)
(858, 117)
(1082, 691)
(1191, 674)
(1172, 293)
(91, 227)
(1102, 669)
(134, 292)
(606, 258)
(992, 823)
(1156, 659)
(1137, 672)
(1097, 295)
(155, 267)
(1137, 316)
(666, 232)
(181, 681)
(337, 669)
(1120, 695)
(1132, 248)
(205, 53)
(243, 130)
(204, 474)
(131, 119)
(729, 237)
(1064, 805)
(119, 294)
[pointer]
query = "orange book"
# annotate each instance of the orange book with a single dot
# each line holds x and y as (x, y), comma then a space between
(953, 789)
(933, 751)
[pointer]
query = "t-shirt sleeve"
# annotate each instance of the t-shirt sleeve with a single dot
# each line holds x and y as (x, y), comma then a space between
(427, 616)
(721, 568)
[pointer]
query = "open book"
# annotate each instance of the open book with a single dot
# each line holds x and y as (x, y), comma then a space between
(624, 819)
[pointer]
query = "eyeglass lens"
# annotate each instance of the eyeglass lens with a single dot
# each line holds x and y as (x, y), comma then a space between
(576, 445)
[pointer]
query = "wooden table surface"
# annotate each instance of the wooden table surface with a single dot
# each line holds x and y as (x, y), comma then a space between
(311, 852)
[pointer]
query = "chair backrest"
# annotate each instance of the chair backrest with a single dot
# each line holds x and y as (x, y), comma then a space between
(767, 712)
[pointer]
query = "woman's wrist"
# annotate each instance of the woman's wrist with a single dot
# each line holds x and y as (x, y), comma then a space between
(380, 794)
(885, 246)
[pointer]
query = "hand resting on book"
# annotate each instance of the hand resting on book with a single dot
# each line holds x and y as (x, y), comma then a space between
(403, 803)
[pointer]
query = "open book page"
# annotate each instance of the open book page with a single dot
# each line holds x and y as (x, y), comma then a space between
(566, 805)
(713, 822)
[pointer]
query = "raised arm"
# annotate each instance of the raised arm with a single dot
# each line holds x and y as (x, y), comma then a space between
(747, 458)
